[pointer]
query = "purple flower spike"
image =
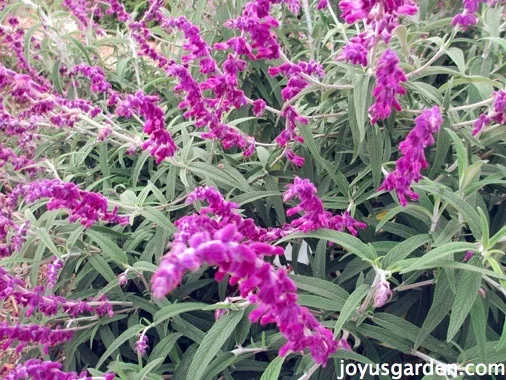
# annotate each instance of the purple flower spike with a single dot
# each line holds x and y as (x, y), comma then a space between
(314, 216)
(388, 85)
(409, 166)
(497, 114)
(46, 370)
(220, 237)
(85, 206)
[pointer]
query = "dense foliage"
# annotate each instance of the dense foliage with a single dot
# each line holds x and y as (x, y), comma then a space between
(250, 189)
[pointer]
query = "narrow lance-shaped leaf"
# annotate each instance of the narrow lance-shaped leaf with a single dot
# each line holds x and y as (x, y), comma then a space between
(467, 291)
(212, 342)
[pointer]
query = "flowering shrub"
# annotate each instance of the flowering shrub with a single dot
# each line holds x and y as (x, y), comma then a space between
(250, 189)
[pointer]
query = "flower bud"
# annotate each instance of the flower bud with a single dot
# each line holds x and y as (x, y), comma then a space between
(382, 294)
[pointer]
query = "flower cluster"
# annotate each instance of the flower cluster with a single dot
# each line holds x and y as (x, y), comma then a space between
(96, 74)
(8, 226)
(271, 290)
(257, 40)
(36, 103)
(12, 38)
(84, 11)
(408, 167)
(86, 206)
(314, 216)
(292, 118)
(380, 18)
(26, 334)
(18, 162)
(389, 77)
(160, 143)
(296, 82)
(220, 237)
(497, 114)
(36, 300)
(206, 111)
(47, 370)
(468, 16)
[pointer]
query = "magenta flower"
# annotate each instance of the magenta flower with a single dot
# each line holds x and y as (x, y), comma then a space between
(342, 344)
(382, 294)
(314, 216)
(160, 143)
(357, 49)
(355, 10)
(259, 107)
(18, 162)
(468, 256)
(142, 344)
(292, 118)
(322, 4)
(36, 300)
(220, 237)
(497, 114)
(46, 370)
(464, 20)
(468, 16)
(380, 18)
(85, 206)
(388, 86)
(99, 83)
(294, 159)
(53, 271)
(296, 82)
(32, 334)
(409, 166)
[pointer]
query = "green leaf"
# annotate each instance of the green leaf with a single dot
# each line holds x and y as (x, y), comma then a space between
(375, 148)
(462, 160)
(109, 248)
(360, 97)
(348, 242)
(172, 310)
(162, 349)
(337, 176)
(428, 92)
(441, 305)
(484, 229)
(143, 373)
(479, 324)
(410, 209)
(126, 335)
(457, 56)
(433, 256)
(404, 249)
(221, 176)
(321, 288)
(212, 342)
(273, 369)
(502, 341)
(252, 196)
(156, 216)
(101, 266)
(350, 307)
(46, 240)
(57, 82)
(467, 291)
(320, 260)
